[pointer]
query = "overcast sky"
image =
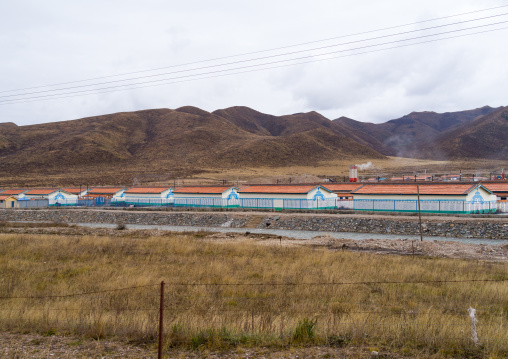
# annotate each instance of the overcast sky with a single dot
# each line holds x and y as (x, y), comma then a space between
(52, 42)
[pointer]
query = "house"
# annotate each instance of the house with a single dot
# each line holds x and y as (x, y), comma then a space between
(55, 196)
(147, 196)
(78, 191)
(17, 193)
(499, 188)
(8, 201)
(343, 190)
(106, 192)
(208, 196)
(309, 196)
(434, 197)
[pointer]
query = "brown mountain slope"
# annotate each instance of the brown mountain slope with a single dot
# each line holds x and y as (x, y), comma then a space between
(185, 139)
(401, 136)
(485, 137)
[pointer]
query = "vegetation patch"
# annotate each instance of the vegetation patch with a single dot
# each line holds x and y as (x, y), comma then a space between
(226, 295)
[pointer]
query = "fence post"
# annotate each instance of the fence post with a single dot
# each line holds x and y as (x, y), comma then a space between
(474, 321)
(161, 321)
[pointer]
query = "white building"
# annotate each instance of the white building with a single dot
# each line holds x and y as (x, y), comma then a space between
(434, 197)
(17, 193)
(499, 188)
(80, 192)
(106, 192)
(206, 196)
(56, 197)
(147, 196)
(287, 196)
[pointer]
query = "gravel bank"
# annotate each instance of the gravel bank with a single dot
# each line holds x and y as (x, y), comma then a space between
(487, 228)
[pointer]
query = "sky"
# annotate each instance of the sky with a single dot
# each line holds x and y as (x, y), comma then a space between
(277, 57)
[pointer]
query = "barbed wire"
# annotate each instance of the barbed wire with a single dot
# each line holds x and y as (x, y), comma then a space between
(274, 284)
(78, 294)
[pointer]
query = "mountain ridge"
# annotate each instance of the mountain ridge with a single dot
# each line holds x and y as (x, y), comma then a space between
(189, 139)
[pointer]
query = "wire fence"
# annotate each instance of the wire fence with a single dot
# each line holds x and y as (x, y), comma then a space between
(196, 314)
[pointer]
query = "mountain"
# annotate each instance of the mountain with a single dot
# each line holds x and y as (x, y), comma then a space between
(404, 136)
(483, 138)
(165, 143)
(180, 141)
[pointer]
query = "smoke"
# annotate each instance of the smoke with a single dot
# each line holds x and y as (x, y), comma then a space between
(365, 166)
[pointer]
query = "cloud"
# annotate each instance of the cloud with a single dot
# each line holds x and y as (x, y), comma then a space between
(64, 41)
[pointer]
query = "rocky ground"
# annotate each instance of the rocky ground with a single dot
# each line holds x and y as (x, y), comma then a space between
(487, 227)
(21, 346)
(449, 249)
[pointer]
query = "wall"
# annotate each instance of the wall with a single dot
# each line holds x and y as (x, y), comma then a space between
(437, 226)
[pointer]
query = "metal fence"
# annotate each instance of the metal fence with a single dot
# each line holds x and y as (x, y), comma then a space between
(502, 206)
(409, 206)
(426, 206)
(33, 203)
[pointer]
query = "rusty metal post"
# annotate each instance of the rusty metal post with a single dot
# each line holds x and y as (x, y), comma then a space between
(161, 321)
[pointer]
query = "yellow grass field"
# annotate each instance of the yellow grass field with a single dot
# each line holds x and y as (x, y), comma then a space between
(165, 174)
(224, 295)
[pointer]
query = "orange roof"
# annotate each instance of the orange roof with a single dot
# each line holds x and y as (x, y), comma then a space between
(342, 187)
(3, 198)
(13, 191)
(41, 191)
(410, 189)
(497, 186)
(203, 189)
(147, 190)
(284, 189)
(105, 190)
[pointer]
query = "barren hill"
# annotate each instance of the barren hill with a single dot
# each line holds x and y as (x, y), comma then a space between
(483, 138)
(178, 141)
(403, 136)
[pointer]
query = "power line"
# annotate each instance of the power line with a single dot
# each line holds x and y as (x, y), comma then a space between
(222, 72)
(57, 96)
(257, 58)
(260, 51)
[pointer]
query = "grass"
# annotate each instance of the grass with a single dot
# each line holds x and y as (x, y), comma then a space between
(156, 174)
(207, 307)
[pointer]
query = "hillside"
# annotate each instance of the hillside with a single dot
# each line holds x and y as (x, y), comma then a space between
(404, 136)
(483, 138)
(175, 142)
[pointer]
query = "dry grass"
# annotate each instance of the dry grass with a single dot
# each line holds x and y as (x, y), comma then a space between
(158, 175)
(278, 310)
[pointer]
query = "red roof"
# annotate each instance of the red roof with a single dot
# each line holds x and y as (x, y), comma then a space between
(410, 189)
(342, 187)
(203, 189)
(283, 189)
(497, 186)
(3, 198)
(105, 190)
(13, 191)
(41, 191)
(147, 190)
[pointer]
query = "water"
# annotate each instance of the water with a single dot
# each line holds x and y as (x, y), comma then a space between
(298, 234)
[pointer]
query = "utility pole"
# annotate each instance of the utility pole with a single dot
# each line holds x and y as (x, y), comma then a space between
(161, 321)
(419, 212)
